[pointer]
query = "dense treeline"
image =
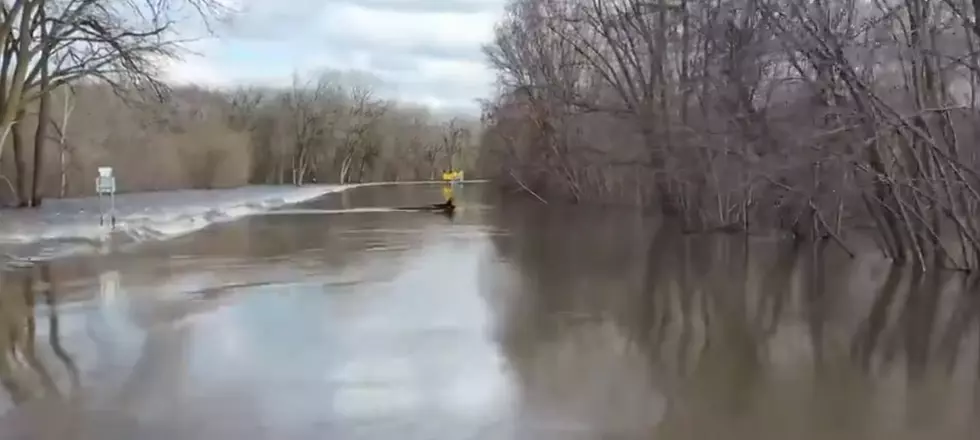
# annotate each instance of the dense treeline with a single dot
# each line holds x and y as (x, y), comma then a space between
(814, 117)
(332, 128)
(80, 88)
(198, 138)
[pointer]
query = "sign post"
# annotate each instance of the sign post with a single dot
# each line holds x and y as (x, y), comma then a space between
(105, 187)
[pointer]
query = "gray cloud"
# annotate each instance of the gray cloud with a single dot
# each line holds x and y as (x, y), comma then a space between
(393, 62)
(458, 6)
(416, 50)
(422, 50)
(274, 19)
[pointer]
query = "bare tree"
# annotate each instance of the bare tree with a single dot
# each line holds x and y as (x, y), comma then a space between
(48, 44)
(363, 116)
(61, 130)
(811, 117)
(309, 114)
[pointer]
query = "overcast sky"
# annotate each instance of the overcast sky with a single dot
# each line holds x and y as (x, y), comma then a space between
(424, 51)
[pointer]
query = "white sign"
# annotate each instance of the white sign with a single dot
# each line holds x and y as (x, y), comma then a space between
(105, 185)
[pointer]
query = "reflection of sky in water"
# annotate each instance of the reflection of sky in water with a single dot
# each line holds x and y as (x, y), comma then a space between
(269, 332)
(389, 351)
(99, 336)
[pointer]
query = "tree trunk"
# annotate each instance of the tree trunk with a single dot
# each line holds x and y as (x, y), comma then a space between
(62, 138)
(360, 171)
(280, 168)
(63, 160)
(345, 168)
(43, 113)
(11, 108)
(304, 166)
(20, 161)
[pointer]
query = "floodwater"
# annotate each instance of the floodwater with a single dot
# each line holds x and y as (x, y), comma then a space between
(513, 320)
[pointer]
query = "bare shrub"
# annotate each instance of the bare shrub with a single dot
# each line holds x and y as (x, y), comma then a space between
(819, 119)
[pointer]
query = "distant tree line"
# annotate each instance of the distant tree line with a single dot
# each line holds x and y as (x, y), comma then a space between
(80, 88)
(333, 128)
(819, 118)
(327, 131)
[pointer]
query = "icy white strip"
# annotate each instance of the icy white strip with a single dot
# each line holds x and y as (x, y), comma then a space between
(142, 216)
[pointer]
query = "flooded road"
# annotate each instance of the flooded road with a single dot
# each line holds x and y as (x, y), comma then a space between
(510, 321)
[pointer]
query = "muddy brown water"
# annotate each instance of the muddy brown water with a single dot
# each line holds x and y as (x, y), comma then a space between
(513, 320)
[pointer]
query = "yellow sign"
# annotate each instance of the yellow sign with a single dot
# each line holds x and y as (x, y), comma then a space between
(450, 176)
(447, 192)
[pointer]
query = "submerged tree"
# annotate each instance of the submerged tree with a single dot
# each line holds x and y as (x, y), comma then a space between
(811, 117)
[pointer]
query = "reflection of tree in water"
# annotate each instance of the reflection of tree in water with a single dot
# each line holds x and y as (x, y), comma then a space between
(553, 312)
(745, 328)
(550, 259)
(24, 373)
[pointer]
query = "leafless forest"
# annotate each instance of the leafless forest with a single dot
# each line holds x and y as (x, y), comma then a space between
(80, 87)
(817, 117)
(328, 129)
